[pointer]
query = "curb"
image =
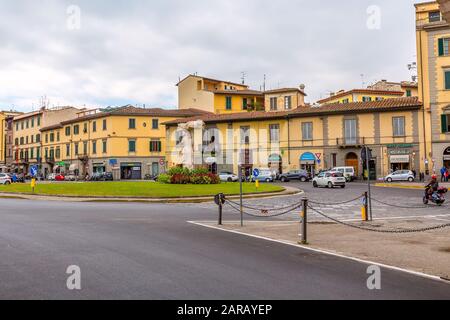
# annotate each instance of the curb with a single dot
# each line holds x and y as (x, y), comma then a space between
(288, 191)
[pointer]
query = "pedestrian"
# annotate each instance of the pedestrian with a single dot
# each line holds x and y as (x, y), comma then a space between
(414, 174)
(446, 175)
(443, 170)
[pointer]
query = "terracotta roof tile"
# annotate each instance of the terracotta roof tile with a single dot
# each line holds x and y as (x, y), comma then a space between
(395, 104)
(134, 111)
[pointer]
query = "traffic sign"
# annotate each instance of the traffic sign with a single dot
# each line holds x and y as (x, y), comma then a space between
(33, 170)
(318, 156)
(256, 173)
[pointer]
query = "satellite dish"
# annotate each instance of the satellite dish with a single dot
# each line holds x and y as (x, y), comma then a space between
(302, 87)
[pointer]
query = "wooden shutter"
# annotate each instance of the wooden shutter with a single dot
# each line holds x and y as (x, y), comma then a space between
(441, 46)
(444, 124)
(447, 80)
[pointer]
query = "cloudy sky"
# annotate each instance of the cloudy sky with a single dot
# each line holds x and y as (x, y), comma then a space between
(134, 51)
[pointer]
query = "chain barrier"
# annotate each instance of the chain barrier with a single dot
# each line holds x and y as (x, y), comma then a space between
(336, 203)
(380, 230)
(264, 209)
(263, 215)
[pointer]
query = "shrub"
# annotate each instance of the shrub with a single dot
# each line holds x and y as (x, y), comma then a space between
(205, 179)
(179, 171)
(180, 179)
(200, 171)
(164, 178)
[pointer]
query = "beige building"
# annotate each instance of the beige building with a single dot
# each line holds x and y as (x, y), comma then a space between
(410, 89)
(27, 136)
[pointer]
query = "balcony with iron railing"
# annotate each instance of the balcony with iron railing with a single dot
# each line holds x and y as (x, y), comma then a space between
(351, 142)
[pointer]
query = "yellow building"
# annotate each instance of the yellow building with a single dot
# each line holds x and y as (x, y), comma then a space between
(218, 96)
(361, 95)
(433, 61)
(312, 138)
(27, 135)
(6, 136)
(127, 141)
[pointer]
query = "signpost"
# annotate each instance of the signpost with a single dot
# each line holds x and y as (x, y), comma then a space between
(366, 155)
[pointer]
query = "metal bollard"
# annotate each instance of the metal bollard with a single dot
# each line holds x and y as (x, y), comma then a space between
(304, 224)
(366, 206)
(219, 199)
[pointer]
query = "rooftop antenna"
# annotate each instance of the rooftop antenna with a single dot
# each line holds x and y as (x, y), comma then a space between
(362, 80)
(243, 75)
(264, 83)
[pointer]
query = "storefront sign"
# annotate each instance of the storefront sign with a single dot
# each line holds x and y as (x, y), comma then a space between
(400, 151)
(400, 145)
(400, 159)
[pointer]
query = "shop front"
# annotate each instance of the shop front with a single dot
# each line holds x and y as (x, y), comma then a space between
(308, 162)
(447, 158)
(400, 157)
(131, 171)
(98, 167)
(276, 164)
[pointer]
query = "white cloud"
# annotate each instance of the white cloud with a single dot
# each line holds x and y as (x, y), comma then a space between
(135, 51)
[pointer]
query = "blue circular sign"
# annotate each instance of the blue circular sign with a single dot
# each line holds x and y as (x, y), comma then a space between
(256, 172)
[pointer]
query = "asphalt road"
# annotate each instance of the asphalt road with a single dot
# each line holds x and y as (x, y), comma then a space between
(142, 251)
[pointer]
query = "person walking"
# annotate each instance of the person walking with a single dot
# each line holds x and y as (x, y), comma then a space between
(443, 170)
(446, 175)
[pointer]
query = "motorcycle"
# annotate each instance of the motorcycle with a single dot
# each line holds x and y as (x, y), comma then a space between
(436, 197)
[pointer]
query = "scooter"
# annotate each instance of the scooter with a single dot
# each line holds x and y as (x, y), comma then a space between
(436, 197)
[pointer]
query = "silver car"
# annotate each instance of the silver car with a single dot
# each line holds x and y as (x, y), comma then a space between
(228, 177)
(5, 179)
(400, 175)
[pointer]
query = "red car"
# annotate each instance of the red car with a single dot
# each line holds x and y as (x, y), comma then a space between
(60, 177)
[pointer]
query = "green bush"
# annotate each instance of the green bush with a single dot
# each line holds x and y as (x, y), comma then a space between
(178, 175)
(179, 171)
(200, 171)
(164, 178)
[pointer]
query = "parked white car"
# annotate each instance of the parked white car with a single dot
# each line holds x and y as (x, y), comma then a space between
(228, 177)
(401, 175)
(348, 172)
(51, 176)
(4, 179)
(330, 180)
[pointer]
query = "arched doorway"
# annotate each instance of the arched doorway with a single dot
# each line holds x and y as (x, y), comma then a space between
(276, 164)
(351, 160)
(308, 162)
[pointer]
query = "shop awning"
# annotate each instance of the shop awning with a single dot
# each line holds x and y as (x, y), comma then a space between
(308, 158)
(400, 159)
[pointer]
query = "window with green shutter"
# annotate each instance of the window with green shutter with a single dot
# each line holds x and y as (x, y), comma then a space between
(441, 46)
(155, 146)
(447, 80)
(228, 103)
(444, 123)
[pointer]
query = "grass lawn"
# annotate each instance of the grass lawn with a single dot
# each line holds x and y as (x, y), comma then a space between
(136, 189)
